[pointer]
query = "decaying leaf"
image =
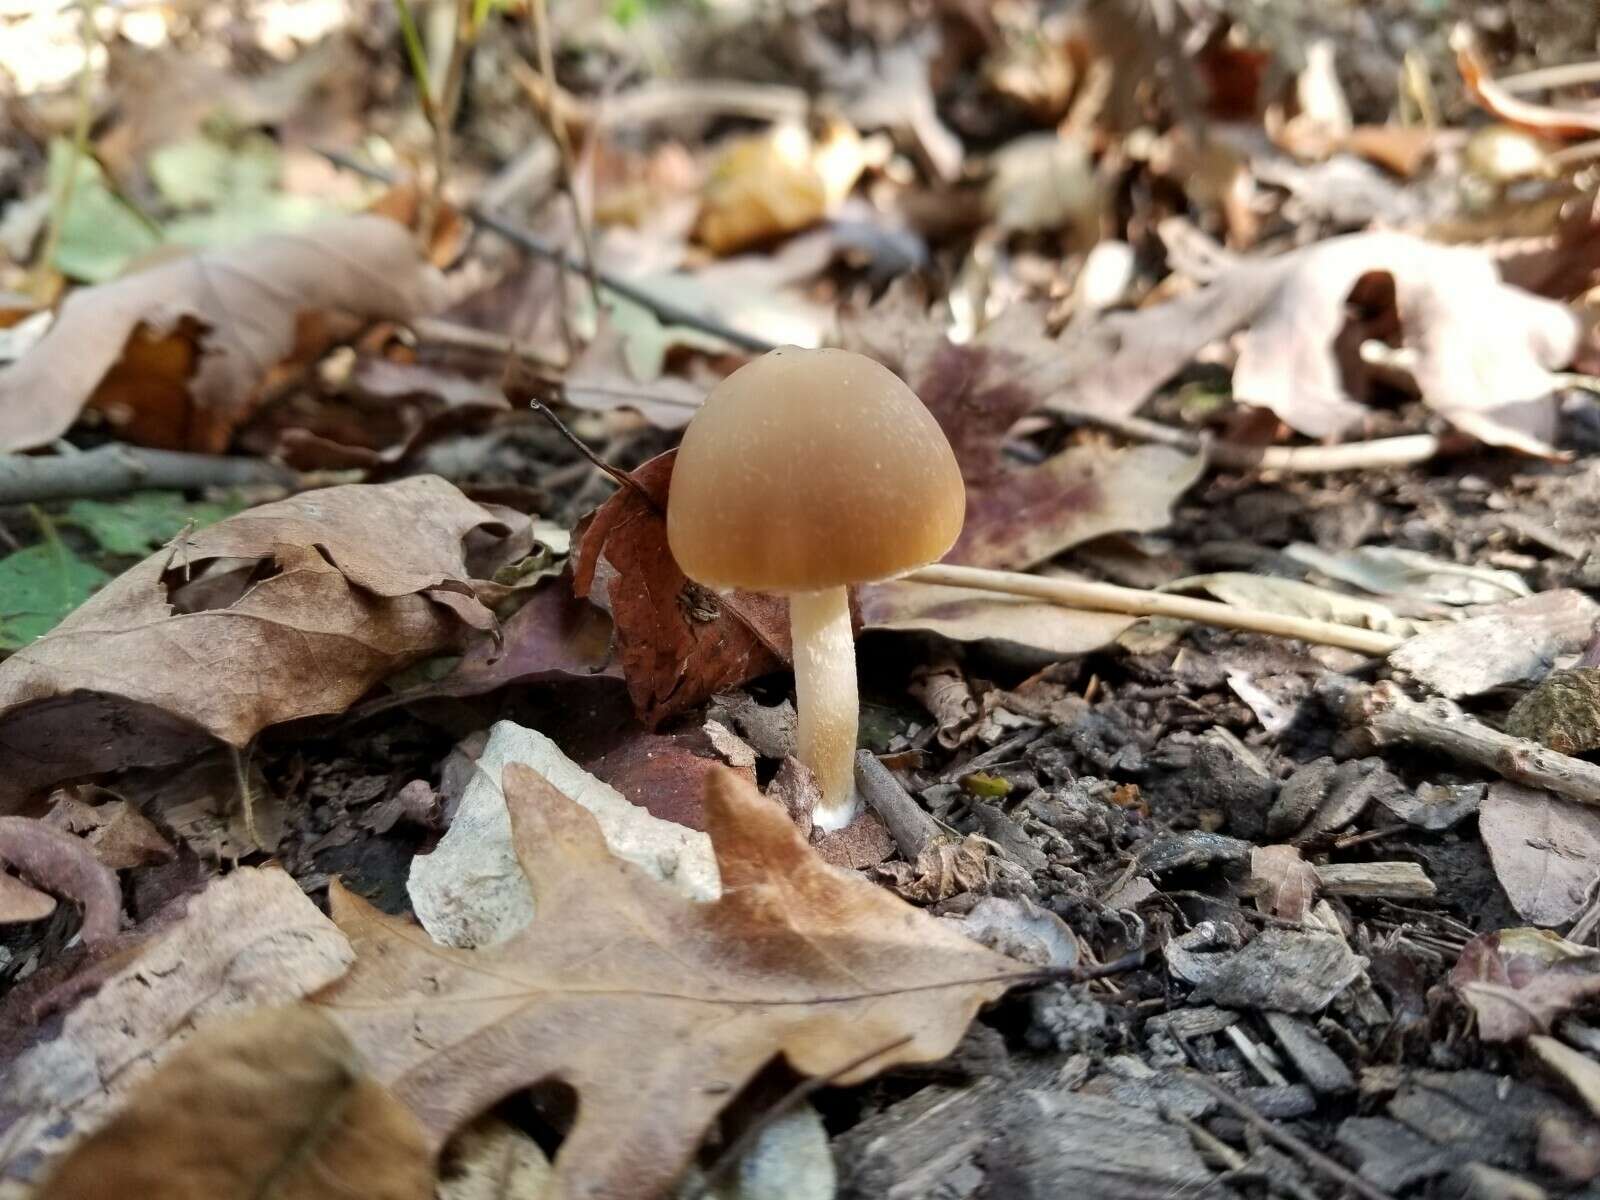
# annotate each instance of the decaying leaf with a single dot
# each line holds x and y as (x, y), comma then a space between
(1017, 516)
(796, 958)
(1514, 642)
(251, 939)
(1294, 598)
(964, 615)
(274, 1103)
(207, 328)
(677, 642)
(778, 182)
(60, 863)
(1393, 571)
(1519, 981)
(1284, 884)
(1545, 850)
(289, 610)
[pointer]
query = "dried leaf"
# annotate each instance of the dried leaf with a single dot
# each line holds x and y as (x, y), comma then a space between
(1519, 981)
(212, 325)
(491, 1160)
(278, 1103)
(20, 903)
(250, 939)
(1017, 516)
(1296, 599)
(350, 584)
(1545, 851)
(796, 958)
(61, 863)
(964, 615)
(1515, 642)
(677, 642)
(1283, 883)
(776, 183)
(1392, 571)
(1573, 123)
(1482, 346)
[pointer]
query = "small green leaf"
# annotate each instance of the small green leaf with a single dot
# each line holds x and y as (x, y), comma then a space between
(38, 587)
(144, 521)
(100, 234)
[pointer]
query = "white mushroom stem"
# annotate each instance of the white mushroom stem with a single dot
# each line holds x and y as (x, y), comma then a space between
(826, 699)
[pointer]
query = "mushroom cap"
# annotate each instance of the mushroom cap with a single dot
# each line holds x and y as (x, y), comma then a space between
(811, 469)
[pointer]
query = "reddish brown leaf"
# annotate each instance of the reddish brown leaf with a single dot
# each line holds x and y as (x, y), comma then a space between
(678, 643)
(1518, 981)
(1017, 515)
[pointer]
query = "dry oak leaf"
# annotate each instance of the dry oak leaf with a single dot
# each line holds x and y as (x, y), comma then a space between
(1017, 516)
(678, 643)
(292, 609)
(208, 327)
(275, 1103)
(654, 1008)
(1520, 981)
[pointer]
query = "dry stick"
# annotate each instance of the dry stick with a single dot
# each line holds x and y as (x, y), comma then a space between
(622, 478)
(910, 825)
(544, 99)
(1107, 597)
(669, 312)
(1307, 1154)
(1352, 456)
(1391, 716)
(114, 469)
(1564, 75)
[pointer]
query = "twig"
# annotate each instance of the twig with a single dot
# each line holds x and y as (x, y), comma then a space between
(1391, 716)
(622, 478)
(1352, 456)
(1564, 75)
(111, 470)
(1107, 597)
(1307, 1154)
(911, 827)
(557, 128)
(669, 312)
(80, 150)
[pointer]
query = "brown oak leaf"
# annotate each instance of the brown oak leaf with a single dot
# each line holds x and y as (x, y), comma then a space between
(654, 1008)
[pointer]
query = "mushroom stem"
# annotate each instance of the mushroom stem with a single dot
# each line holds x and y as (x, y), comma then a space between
(825, 697)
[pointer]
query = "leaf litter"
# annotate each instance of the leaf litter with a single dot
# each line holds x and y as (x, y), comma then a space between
(1202, 300)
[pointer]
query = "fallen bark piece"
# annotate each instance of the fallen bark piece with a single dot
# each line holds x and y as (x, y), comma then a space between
(795, 958)
(1324, 1070)
(1283, 970)
(275, 1103)
(1394, 880)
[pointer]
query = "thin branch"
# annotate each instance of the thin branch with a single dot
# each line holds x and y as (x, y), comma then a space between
(622, 478)
(114, 469)
(1284, 1140)
(1391, 716)
(1564, 75)
(1107, 597)
(556, 126)
(80, 150)
(669, 312)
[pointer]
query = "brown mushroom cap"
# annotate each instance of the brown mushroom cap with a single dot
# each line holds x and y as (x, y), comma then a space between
(810, 469)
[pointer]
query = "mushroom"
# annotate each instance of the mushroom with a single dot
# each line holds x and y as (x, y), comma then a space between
(804, 472)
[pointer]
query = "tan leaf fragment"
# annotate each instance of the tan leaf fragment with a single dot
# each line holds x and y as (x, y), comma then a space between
(251, 939)
(965, 615)
(272, 1104)
(240, 305)
(654, 1008)
(350, 584)
(1519, 981)
(1284, 884)
(1545, 851)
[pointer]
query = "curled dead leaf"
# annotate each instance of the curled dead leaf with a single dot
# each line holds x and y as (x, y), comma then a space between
(289, 610)
(796, 958)
(1518, 981)
(188, 343)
